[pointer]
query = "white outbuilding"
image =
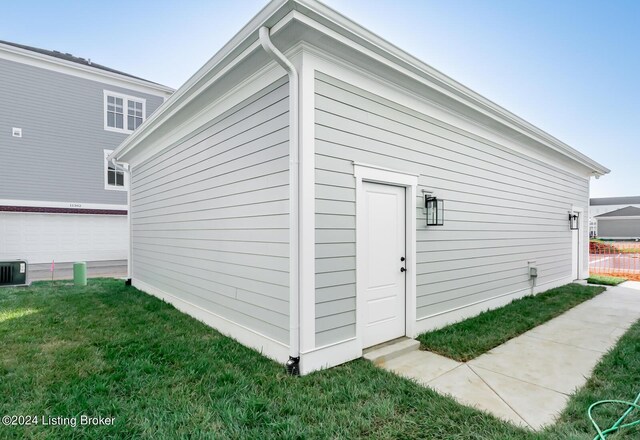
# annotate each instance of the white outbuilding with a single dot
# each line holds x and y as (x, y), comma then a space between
(313, 191)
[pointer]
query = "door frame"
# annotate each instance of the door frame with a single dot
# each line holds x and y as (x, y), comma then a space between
(577, 246)
(386, 176)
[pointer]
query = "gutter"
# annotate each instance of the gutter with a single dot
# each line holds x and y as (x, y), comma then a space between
(293, 364)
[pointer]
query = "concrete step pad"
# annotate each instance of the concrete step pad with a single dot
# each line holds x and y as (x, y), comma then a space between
(390, 350)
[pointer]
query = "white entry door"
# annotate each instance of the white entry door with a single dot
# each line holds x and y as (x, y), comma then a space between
(384, 254)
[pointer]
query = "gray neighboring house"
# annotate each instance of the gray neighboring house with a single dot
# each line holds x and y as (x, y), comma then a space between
(621, 224)
(603, 205)
(285, 193)
(60, 116)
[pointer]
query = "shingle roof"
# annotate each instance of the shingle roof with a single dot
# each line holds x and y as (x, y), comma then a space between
(73, 59)
(629, 211)
(600, 201)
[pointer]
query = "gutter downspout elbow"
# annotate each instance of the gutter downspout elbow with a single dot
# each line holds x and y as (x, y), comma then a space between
(293, 364)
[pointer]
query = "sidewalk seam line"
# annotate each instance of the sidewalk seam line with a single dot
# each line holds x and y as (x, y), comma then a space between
(500, 397)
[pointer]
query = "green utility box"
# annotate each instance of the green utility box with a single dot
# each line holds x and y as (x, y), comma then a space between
(80, 274)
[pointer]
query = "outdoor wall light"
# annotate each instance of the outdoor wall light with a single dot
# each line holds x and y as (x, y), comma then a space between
(573, 221)
(435, 210)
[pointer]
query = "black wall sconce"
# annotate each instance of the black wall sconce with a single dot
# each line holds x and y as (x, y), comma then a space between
(573, 221)
(435, 210)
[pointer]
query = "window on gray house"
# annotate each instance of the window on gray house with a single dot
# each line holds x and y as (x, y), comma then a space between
(134, 114)
(123, 113)
(115, 177)
(115, 114)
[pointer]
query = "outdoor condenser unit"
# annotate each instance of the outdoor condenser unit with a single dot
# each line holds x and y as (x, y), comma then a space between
(13, 273)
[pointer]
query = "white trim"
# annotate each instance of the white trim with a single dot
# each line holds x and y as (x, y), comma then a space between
(330, 355)
(365, 169)
(125, 109)
(108, 187)
(457, 314)
(263, 344)
(387, 176)
(47, 204)
(31, 58)
(307, 208)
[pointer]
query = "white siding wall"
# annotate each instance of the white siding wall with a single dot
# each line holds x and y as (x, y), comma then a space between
(502, 209)
(211, 216)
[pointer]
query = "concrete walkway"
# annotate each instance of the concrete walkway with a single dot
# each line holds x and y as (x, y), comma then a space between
(528, 379)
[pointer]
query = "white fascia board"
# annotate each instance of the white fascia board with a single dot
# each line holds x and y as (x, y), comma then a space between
(43, 61)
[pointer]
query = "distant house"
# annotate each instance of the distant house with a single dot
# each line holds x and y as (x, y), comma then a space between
(602, 205)
(621, 224)
(60, 116)
(291, 193)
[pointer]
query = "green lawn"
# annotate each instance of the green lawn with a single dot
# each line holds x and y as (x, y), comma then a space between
(605, 280)
(110, 350)
(469, 339)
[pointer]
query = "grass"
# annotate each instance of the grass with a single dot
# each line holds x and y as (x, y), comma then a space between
(110, 350)
(605, 280)
(469, 339)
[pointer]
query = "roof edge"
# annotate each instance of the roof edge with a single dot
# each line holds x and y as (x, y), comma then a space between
(316, 11)
(111, 74)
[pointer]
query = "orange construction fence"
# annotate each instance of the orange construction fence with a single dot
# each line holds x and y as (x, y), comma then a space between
(615, 258)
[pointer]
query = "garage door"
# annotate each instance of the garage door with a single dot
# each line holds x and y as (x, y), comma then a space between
(41, 238)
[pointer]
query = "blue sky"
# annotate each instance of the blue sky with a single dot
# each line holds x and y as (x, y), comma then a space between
(570, 67)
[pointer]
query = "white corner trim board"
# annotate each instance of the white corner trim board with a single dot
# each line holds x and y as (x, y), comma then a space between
(307, 201)
(330, 355)
(263, 344)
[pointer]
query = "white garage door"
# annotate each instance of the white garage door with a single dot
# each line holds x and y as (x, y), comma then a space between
(41, 238)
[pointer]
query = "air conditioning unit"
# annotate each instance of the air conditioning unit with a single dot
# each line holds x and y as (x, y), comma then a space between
(13, 273)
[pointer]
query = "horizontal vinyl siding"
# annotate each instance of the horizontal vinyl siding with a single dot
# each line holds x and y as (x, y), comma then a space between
(60, 156)
(501, 209)
(210, 216)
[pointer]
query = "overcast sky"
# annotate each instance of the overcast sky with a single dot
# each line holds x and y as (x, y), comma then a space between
(570, 67)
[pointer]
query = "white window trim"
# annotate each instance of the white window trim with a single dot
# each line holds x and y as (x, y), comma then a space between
(106, 179)
(125, 107)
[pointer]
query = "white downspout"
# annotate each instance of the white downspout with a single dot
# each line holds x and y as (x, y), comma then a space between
(127, 171)
(294, 262)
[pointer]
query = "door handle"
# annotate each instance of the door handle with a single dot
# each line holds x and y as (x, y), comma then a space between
(402, 269)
